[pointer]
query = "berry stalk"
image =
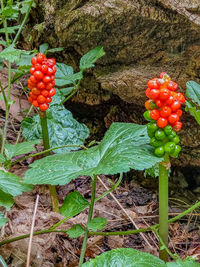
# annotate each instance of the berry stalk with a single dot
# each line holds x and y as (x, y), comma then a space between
(45, 135)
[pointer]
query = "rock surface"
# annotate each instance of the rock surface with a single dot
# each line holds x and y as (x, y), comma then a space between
(141, 38)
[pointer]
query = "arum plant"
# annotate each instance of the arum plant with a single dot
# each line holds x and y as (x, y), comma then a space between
(163, 112)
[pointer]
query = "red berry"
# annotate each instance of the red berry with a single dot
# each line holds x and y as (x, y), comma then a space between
(47, 79)
(170, 100)
(180, 97)
(154, 114)
(175, 106)
(164, 94)
(33, 96)
(44, 106)
(172, 86)
(179, 112)
(152, 84)
(44, 68)
(38, 75)
(49, 86)
(38, 66)
(173, 118)
(30, 99)
(51, 61)
(33, 79)
(40, 57)
(41, 99)
(52, 78)
(162, 122)
(154, 93)
(50, 71)
(52, 92)
(147, 92)
(32, 70)
(48, 99)
(53, 82)
(44, 93)
(177, 126)
(40, 85)
(159, 103)
(35, 91)
(54, 69)
(165, 111)
(35, 103)
(33, 60)
(164, 75)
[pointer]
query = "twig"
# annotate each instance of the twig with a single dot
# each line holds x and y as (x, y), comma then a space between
(119, 204)
(31, 234)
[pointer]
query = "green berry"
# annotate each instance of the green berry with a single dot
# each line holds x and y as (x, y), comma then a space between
(160, 135)
(152, 127)
(159, 151)
(172, 135)
(155, 143)
(176, 151)
(153, 105)
(168, 129)
(147, 116)
(176, 139)
(169, 147)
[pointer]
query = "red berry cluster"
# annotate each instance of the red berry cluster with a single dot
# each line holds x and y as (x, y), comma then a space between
(164, 103)
(42, 81)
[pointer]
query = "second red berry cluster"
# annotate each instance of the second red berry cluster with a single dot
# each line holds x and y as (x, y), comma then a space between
(42, 81)
(164, 103)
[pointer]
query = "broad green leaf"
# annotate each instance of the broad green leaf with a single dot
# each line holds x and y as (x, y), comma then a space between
(53, 50)
(69, 79)
(3, 43)
(3, 263)
(19, 149)
(2, 219)
(11, 12)
(73, 204)
(19, 73)
(76, 231)
(67, 91)
(153, 171)
(193, 91)
(6, 200)
(122, 257)
(2, 159)
(57, 99)
(63, 129)
(88, 60)
(63, 70)
(10, 29)
(11, 54)
(124, 147)
(97, 223)
(184, 263)
(193, 111)
(11, 184)
(43, 47)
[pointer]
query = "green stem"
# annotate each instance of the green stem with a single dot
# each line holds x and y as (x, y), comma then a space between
(45, 135)
(44, 152)
(72, 93)
(5, 26)
(163, 206)
(51, 230)
(84, 245)
(23, 23)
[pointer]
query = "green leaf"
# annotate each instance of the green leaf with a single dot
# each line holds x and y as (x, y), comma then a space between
(11, 184)
(53, 50)
(63, 70)
(153, 171)
(10, 30)
(63, 129)
(3, 43)
(122, 257)
(11, 54)
(68, 79)
(6, 200)
(124, 147)
(19, 149)
(193, 91)
(73, 204)
(1, 63)
(2, 159)
(2, 219)
(43, 47)
(97, 223)
(19, 73)
(193, 111)
(76, 231)
(88, 60)
(185, 263)
(67, 91)
(3, 263)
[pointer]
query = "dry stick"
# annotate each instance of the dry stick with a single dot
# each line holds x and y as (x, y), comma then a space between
(31, 234)
(125, 212)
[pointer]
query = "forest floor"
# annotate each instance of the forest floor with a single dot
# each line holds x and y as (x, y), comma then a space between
(135, 205)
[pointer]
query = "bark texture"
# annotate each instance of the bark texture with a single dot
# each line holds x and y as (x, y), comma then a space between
(141, 38)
